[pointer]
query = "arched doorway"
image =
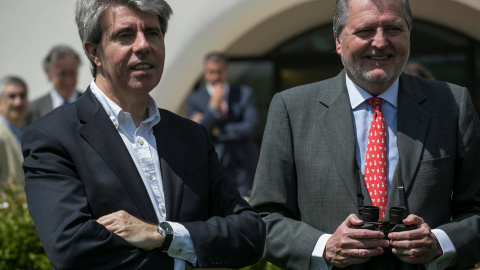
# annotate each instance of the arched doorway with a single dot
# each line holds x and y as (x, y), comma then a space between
(311, 57)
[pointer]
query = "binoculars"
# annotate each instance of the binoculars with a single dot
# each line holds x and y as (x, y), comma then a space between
(370, 214)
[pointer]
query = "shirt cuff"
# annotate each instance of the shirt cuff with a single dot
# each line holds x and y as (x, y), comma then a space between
(449, 252)
(182, 244)
(316, 261)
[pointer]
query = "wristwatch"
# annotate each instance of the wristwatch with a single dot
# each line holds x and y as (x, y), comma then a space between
(166, 230)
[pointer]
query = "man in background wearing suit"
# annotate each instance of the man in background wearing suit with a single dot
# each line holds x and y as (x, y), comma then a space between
(113, 182)
(61, 66)
(371, 136)
(13, 107)
(228, 112)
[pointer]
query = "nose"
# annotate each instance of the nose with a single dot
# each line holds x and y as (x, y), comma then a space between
(216, 76)
(379, 40)
(19, 100)
(141, 44)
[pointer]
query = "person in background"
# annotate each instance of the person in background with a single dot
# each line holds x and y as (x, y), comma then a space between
(228, 112)
(13, 107)
(416, 69)
(61, 67)
(371, 137)
(114, 182)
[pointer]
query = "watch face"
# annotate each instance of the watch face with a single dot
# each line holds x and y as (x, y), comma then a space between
(166, 227)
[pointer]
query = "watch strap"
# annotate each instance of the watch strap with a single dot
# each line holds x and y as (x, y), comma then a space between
(166, 230)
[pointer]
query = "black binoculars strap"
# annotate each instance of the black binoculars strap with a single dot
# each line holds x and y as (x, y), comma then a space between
(401, 188)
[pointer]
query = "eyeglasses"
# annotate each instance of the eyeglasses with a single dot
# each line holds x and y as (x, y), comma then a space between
(64, 74)
(13, 96)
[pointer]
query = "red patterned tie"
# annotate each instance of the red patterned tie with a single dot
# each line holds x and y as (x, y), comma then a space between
(376, 159)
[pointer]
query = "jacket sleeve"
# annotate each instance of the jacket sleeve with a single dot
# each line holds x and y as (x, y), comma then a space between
(464, 228)
(234, 235)
(289, 241)
(195, 105)
(247, 127)
(60, 209)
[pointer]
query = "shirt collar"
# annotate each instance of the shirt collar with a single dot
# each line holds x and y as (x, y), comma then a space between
(15, 130)
(357, 95)
(57, 100)
(116, 113)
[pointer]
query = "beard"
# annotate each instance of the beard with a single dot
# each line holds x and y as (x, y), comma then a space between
(355, 70)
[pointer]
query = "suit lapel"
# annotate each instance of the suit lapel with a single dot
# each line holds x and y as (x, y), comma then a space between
(100, 133)
(170, 154)
(412, 126)
(336, 124)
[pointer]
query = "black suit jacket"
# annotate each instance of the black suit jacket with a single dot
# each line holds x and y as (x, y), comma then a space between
(78, 169)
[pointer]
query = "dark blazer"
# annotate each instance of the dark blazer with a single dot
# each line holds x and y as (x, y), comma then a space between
(235, 143)
(78, 169)
(39, 108)
(305, 184)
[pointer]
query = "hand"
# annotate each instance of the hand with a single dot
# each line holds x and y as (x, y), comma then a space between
(136, 232)
(419, 246)
(197, 117)
(349, 246)
(217, 96)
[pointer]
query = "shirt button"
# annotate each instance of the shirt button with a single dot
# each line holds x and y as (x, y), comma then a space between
(115, 124)
(149, 176)
(162, 210)
(141, 142)
(125, 117)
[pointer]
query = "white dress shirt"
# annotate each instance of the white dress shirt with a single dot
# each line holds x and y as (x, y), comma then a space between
(362, 117)
(142, 146)
(58, 101)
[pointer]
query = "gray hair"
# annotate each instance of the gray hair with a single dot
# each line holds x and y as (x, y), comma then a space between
(340, 15)
(88, 17)
(59, 52)
(216, 57)
(12, 80)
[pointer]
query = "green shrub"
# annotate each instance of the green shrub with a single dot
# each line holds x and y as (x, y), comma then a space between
(20, 247)
(261, 265)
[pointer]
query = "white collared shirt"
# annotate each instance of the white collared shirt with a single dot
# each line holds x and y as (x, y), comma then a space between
(142, 146)
(58, 101)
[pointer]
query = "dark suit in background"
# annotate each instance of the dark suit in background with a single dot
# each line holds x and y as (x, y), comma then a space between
(234, 136)
(40, 107)
(84, 171)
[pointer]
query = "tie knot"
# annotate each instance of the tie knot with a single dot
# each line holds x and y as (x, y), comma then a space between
(375, 103)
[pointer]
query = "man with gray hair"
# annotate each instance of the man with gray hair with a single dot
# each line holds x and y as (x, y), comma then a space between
(113, 182)
(229, 114)
(61, 66)
(374, 168)
(13, 107)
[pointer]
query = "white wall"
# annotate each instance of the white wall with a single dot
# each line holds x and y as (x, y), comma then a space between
(28, 29)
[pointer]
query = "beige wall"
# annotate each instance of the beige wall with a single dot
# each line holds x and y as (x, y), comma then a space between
(238, 27)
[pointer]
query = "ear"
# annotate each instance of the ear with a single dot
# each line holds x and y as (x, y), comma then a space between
(338, 45)
(48, 71)
(92, 52)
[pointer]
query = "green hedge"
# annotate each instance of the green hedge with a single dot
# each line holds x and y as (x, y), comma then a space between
(20, 247)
